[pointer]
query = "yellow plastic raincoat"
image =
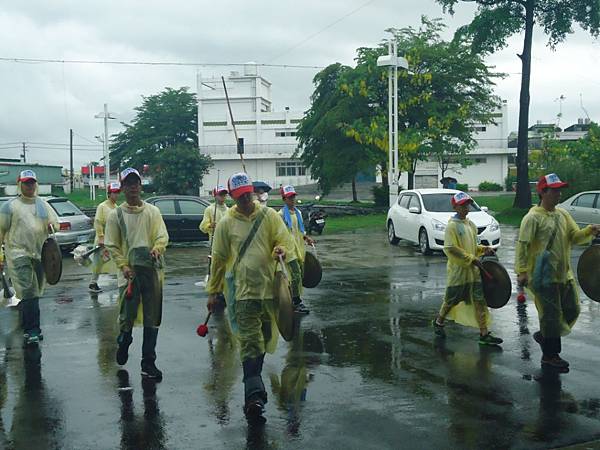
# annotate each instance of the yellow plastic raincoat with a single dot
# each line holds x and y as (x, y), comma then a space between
(209, 214)
(464, 279)
(24, 226)
(296, 258)
(536, 229)
(299, 251)
(253, 277)
(255, 272)
(100, 262)
(146, 231)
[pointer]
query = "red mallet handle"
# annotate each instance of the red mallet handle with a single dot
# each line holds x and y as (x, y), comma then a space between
(129, 291)
(487, 274)
(202, 329)
(521, 297)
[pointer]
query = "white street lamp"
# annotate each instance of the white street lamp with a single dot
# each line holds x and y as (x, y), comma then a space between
(105, 115)
(393, 62)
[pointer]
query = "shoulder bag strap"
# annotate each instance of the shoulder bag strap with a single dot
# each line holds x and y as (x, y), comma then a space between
(249, 238)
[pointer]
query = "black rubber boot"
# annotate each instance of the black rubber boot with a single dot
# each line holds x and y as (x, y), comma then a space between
(255, 394)
(30, 311)
(299, 307)
(123, 341)
(149, 369)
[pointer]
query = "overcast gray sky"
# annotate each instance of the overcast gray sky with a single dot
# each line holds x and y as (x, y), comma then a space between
(39, 102)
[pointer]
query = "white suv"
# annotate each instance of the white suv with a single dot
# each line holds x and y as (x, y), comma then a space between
(421, 216)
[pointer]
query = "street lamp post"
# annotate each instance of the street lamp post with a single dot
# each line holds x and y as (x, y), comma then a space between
(105, 115)
(392, 61)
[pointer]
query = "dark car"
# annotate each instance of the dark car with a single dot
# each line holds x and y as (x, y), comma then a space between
(182, 215)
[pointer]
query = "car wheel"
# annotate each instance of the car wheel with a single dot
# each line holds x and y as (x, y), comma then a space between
(424, 242)
(392, 234)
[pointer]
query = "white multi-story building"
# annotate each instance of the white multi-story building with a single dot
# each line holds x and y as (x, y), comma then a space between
(269, 136)
(489, 159)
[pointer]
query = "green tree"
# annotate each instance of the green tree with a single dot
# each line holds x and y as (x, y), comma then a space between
(575, 162)
(331, 155)
(497, 20)
(180, 170)
(446, 89)
(164, 123)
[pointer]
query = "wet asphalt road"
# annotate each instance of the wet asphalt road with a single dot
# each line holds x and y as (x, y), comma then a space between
(364, 372)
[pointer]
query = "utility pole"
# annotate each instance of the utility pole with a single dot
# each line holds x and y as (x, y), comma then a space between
(24, 155)
(105, 115)
(71, 154)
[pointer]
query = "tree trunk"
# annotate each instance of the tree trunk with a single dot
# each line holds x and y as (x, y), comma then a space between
(411, 180)
(354, 194)
(523, 197)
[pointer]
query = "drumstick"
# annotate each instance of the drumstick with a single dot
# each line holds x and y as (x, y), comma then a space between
(488, 275)
(202, 329)
(283, 267)
(129, 291)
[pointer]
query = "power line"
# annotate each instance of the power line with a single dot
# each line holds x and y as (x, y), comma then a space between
(335, 22)
(84, 138)
(152, 63)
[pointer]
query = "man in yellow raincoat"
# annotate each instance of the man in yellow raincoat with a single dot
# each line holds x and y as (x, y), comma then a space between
(542, 263)
(101, 260)
(293, 221)
(137, 238)
(24, 226)
(464, 301)
(247, 243)
(211, 217)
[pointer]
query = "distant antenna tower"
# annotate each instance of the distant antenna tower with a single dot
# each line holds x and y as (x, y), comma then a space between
(560, 101)
(581, 104)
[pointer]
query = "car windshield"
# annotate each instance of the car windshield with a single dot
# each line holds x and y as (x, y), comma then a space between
(65, 208)
(442, 203)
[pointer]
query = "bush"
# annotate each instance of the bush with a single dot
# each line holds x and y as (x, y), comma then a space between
(381, 195)
(487, 186)
(509, 181)
(462, 187)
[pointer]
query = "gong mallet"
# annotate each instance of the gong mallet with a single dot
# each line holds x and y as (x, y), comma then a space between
(202, 329)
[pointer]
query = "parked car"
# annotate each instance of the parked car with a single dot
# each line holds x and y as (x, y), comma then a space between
(421, 216)
(583, 207)
(74, 226)
(182, 215)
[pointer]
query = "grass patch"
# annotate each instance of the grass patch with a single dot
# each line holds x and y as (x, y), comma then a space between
(352, 223)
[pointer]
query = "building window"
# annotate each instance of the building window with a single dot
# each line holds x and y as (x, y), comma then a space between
(245, 122)
(478, 128)
(290, 169)
(479, 160)
(285, 133)
(295, 120)
(214, 124)
(273, 122)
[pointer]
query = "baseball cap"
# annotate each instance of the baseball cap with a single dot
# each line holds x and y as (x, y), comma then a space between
(239, 184)
(220, 189)
(550, 181)
(114, 186)
(130, 170)
(288, 191)
(461, 198)
(27, 175)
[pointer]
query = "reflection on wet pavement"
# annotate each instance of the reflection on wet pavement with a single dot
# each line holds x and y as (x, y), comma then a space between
(364, 370)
